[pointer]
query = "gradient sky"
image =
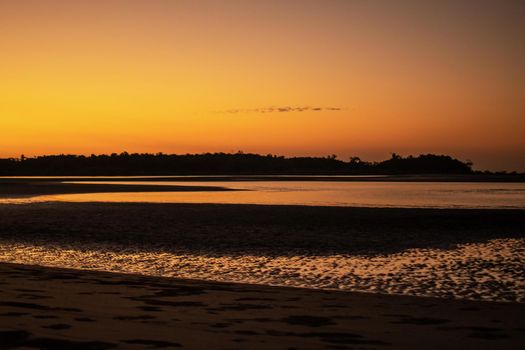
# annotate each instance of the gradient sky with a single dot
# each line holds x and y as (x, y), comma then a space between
(363, 78)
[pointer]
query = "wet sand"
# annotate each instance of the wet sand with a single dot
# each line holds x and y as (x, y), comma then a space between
(450, 253)
(262, 229)
(13, 188)
(491, 271)
(53, 308)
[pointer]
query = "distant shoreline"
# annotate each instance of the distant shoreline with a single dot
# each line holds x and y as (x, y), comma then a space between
(271, 177)
(236, 164)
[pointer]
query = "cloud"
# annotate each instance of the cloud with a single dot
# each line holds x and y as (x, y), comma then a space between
(283, 109)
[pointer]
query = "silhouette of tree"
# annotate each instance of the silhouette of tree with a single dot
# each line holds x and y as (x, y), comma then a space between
(396, 156)
(225, 163)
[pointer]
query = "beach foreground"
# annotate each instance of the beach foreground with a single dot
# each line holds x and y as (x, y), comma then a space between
(168, 250)
(51, 308)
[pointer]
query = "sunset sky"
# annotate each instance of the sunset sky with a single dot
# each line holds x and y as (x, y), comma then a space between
(363, 78)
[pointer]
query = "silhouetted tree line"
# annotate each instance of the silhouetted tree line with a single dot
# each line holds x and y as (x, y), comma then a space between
(225, 163)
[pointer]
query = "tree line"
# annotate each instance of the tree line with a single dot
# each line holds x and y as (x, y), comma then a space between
(226, 164)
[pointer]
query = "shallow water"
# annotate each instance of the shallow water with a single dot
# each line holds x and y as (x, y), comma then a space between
(325, 193)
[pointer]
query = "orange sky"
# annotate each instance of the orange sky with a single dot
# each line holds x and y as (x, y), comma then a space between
(290, 77)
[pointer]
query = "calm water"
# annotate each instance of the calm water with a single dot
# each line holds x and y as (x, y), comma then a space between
(332, 193)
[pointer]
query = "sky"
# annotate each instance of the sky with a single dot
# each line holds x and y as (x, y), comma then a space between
(287, 77)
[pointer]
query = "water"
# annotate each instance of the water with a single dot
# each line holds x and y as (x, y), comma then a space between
(325, 193)
(484, 269)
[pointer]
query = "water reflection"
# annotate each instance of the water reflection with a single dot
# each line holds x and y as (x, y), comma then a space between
(490, 270)
(331, 193)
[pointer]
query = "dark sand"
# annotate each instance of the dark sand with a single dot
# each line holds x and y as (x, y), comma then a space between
(29, 188)
(257, 229)
(69, 309)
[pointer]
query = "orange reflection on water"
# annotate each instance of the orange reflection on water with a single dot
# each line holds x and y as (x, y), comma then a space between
(331, 193)
(489, 270)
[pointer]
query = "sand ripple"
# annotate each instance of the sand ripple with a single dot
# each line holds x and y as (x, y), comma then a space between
(492, 270)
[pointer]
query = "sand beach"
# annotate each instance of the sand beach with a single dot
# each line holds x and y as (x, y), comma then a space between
(236, 276)
(50, 308)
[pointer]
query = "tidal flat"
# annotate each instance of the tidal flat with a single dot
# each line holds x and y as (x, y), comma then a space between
(450, 253)
(96, 275)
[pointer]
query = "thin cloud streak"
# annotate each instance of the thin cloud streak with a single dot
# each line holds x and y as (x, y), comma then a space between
(283, 109)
